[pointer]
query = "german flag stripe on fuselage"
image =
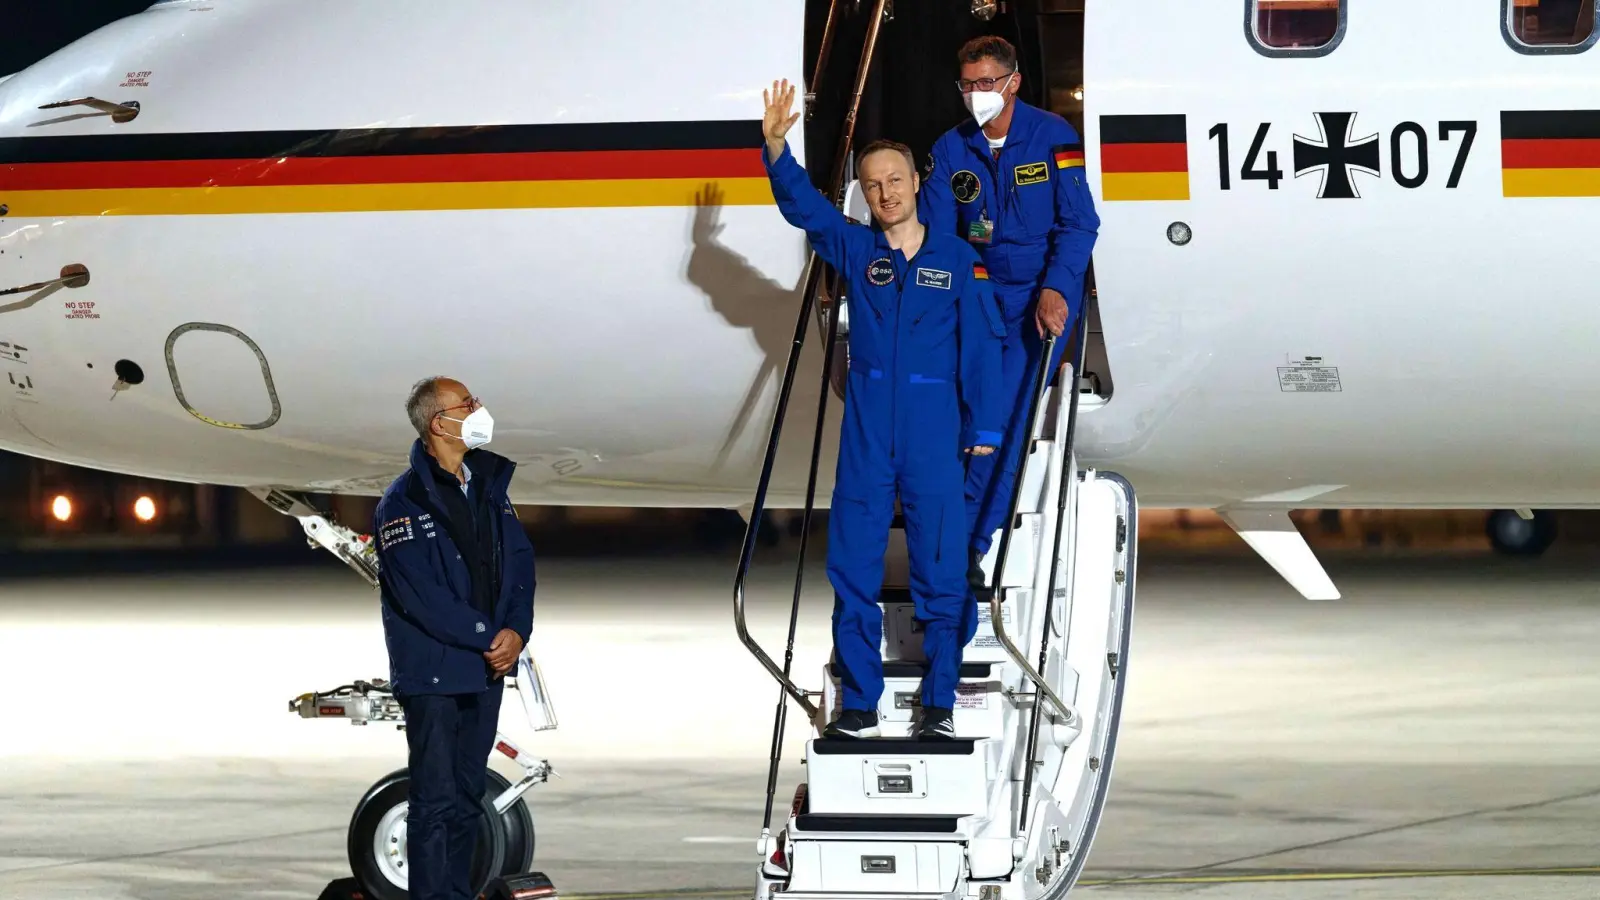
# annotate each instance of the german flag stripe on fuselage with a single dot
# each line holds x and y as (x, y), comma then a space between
(1144, 157)
(1067, 156)
(1550, 153)
(357, 170)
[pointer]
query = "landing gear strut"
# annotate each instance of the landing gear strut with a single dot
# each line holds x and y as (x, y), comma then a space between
(376, 841)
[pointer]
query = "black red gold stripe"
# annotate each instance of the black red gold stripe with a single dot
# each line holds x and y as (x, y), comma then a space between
(1068, 156)
(467, 167)
(980, 271)
(1550, 153)
(1144, 157)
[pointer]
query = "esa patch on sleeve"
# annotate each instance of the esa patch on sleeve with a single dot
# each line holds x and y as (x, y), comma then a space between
(395, 531)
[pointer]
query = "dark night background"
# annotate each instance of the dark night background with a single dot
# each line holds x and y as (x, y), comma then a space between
(36, 28)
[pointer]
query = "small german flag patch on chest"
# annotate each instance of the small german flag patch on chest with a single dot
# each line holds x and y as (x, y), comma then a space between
(980, 272)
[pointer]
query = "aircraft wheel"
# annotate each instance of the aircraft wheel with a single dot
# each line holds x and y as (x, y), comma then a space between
(517, 822)
(376, 843)
(1512, 535)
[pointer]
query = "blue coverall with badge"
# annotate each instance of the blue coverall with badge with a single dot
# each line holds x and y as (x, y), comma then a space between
(923, 387)
(436, 638)
(1030, 214)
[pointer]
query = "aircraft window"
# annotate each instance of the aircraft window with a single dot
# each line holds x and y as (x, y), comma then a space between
(1549, 26)
(1294, 27)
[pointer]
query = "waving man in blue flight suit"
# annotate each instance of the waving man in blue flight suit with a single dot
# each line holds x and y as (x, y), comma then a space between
(1010, 181)
(925, 335)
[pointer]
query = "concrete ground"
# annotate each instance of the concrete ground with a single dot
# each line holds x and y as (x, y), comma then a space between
(1431, 735)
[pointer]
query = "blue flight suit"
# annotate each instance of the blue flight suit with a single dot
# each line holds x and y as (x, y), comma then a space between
(924, 373)
(436, 636)
(1044, 229)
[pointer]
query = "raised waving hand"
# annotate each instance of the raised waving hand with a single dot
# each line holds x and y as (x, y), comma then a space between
(776, 123)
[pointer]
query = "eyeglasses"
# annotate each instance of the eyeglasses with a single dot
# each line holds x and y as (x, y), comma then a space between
(982, 84)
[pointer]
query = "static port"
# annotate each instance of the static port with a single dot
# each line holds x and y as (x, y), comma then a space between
(129, 371)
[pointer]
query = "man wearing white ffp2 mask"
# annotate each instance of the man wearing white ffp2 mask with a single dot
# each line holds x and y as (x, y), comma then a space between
(1010, 181)
(456, 580)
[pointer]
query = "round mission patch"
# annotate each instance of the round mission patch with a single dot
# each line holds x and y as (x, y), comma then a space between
(964, 185)
(880, 271)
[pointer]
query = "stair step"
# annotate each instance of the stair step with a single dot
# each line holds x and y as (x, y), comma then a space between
(909, 668)
(886, 776)
(892, 746)
(874, 870)
(873, 824)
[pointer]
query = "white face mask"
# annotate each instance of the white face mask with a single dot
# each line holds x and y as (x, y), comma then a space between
(985, 105)
(476, 429)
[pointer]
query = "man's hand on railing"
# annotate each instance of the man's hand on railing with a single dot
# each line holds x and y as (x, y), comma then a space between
(980, 450)
(776, 123)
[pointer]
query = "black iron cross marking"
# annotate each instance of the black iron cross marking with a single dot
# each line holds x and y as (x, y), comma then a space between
(1335, 155)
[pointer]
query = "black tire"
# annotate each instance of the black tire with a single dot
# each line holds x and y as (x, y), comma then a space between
(1511, 535)
(382, 799)
(517, 822)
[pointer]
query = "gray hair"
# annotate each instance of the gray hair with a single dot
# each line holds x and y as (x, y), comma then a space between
(423, 404)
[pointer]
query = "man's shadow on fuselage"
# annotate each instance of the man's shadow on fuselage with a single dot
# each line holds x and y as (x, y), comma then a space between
(748, 299)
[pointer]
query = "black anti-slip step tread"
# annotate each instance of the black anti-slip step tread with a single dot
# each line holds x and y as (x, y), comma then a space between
(896, 746)
(899, 668)
(880, 823)
(903, 595)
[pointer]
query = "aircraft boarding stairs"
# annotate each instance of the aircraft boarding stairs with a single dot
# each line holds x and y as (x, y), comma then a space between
(981, 816)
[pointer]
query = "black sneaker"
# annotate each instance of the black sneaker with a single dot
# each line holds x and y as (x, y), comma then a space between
(975, 577)
(853, 723)
(937, 724)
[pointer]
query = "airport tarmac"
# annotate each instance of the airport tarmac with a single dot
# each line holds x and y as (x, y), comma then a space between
(1431, 735)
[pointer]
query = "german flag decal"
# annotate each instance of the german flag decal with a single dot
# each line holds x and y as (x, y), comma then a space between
(1068, 156)
(1144, 158)
(980, 272)
(1553, 153)
(611, 164)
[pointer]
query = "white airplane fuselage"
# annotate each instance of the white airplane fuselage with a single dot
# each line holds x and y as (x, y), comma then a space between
(320, 202)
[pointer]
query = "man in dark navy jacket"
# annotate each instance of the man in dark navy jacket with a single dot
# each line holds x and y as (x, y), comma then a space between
(456, 577)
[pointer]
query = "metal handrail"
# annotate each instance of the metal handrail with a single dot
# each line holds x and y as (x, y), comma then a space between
(813, 280)
(1067, 476)
(1041, 377)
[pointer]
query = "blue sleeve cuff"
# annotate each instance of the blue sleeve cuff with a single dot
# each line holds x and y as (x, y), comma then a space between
(987, 439)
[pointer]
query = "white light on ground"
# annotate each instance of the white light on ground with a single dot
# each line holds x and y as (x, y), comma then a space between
(144, 508)
(61, 508)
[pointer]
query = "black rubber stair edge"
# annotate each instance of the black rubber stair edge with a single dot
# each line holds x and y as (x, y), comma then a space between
(901, 668)
(903, 595)
(878, 823)
(893, 747)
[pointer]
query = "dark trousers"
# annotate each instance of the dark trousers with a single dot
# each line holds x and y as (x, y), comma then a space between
(450, 737)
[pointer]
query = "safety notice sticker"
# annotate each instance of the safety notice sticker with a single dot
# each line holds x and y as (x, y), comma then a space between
(972, 696)
(1308, 374)
(986, 624)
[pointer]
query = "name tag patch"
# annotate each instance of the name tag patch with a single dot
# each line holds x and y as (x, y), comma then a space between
(880, 271)
(933, 278)
(1031, 173)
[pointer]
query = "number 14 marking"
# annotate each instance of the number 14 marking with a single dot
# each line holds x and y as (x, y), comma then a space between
(1272, 173)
